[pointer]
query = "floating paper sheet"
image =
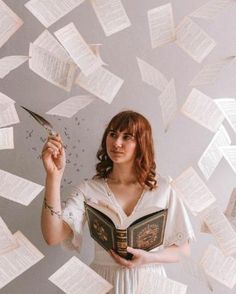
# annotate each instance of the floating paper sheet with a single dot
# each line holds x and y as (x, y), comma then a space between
(101, 83)
(78, 49)
(228, 108)
(9, 63)
(18, 189)
(231, 207)
(76, 277)
(50, 11)
(17, 261)
(96, 50)
(57, 71)
(212, 155)
(111, 15)
(161, 25)
(193, 40)
(8, 114)
(71, 106)
(220, 227)
(210, 72)
(7, 240)
(152, 76)
(229, 153)
(6, 138)
(211, 9)
(202, 109)
(194, 269)
(151, 284)
(194, 192)
(9, 23)
(48, 42)
(168, 103)
(219, 267)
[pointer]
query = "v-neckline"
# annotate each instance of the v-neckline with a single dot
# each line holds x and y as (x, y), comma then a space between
(115, 201)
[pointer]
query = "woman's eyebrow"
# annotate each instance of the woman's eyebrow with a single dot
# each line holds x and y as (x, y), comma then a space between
(129, 134)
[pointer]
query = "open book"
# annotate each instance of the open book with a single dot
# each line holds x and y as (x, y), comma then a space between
(143, 230)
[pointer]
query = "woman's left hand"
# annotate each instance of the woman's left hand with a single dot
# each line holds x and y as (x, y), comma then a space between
(140, 257)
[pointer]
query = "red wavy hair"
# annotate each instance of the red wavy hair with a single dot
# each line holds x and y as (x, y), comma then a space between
(137, 125)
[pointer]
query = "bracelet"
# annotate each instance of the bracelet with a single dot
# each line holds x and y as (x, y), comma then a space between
(58, 213)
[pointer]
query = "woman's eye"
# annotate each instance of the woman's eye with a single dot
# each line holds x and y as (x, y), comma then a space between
(128, 137)
(112, 134)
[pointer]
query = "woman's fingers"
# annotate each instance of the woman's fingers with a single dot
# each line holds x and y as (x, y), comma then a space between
(54, 143)
(120, 260)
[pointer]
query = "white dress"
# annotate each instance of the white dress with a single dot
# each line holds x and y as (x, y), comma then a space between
(178, 228)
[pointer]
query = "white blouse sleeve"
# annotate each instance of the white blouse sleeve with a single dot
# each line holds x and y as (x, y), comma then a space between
(178, 226)
(74, 215)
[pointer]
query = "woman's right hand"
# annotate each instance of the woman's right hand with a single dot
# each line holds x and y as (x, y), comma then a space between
(53, 156)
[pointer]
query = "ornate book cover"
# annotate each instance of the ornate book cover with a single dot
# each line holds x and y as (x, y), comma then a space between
(147, 232)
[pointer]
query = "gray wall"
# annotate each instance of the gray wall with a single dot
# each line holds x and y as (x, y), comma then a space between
(177, 149)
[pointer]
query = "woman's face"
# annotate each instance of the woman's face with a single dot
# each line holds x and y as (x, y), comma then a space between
(121, 146)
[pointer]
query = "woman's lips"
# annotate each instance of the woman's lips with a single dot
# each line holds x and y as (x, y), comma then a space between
(117, 152)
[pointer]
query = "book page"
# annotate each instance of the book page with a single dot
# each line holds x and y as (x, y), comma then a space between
(78, 49)
(212, 9)
(9, 63)
(96, 50)
(161, 25)
(9, 23)
(229, 153)
(193, 40)
(203, 110)
(221, 229)
(18, 189)
(195, 270)
(152, 76)
(219, 267)
(50, 11)
(4, 100)
(118, 219)
(56, 71)
(228, 108)
(111, 15)
(8, 114)
(231, 207)
(6, 138)
(210, 72)
(71, 106)
(212, 154)
(232, 221)
(48, 42)
(101, 83)
(168, 103)
(194, 192)
(76, 277)
(160, 285)
(7, 240)
(17, 261)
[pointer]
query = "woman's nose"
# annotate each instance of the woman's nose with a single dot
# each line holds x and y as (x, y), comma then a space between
(118, 142)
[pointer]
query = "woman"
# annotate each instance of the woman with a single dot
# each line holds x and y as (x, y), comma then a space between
(125, 179)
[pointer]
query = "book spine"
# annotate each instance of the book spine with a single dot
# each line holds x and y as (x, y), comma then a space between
(121, 242)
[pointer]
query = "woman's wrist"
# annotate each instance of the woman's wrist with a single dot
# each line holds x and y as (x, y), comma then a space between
(54, 176)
